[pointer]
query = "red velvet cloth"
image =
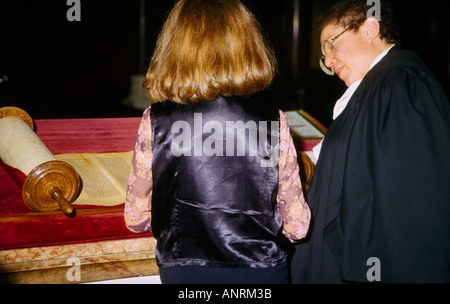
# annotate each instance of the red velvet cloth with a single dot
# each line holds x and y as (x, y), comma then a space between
(20, 227)
(306, 144)
(95, 135)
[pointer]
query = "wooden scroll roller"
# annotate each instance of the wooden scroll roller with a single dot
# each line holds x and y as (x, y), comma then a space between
(308, 169)
(50, 184)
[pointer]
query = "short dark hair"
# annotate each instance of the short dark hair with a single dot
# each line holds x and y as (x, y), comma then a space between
(351, 14)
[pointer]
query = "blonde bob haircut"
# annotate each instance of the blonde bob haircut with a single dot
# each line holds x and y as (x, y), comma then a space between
(209, 48)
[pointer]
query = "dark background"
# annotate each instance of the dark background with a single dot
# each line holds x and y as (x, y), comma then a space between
(61, 69)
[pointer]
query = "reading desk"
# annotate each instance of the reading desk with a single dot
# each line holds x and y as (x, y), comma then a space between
(93, 244)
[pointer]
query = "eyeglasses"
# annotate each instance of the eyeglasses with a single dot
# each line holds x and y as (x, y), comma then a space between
(329, 50)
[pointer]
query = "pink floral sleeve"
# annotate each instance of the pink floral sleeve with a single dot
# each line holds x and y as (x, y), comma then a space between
(140, 184)
(291, 201)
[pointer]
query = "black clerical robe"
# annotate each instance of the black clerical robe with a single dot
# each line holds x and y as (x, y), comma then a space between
(380, 197)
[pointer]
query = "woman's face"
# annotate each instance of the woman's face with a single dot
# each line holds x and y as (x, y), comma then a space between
(353, 53)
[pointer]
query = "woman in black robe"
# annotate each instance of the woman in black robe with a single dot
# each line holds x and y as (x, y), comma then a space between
(380, 197)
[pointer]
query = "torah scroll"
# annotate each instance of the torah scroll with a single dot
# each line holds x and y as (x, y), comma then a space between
(50, 184)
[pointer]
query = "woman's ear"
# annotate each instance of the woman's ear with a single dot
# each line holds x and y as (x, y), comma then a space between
(371, 28)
